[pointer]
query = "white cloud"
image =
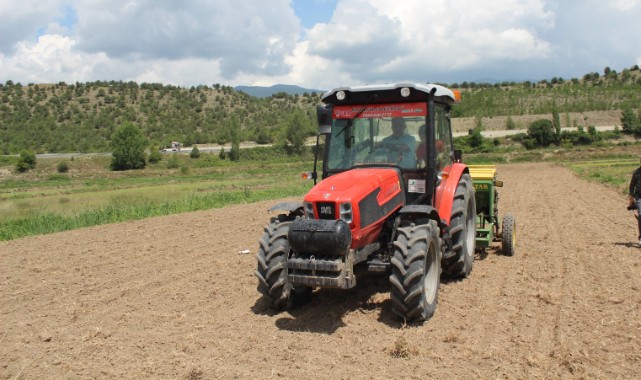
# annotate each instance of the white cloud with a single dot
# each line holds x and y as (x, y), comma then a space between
(308, 70)
(358, 34)
(244, 35)
(20, 22)
(50, 59)
(366, 41)
(187, 72)
(53, 59)
(393, 40)
(624, 5)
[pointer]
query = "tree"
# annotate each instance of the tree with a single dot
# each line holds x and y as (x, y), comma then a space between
(296, 131)
(556, 123)
(629, 121)
(128, 148)
(542, 132)
(195, 153)
(234, 154)
(26, 161)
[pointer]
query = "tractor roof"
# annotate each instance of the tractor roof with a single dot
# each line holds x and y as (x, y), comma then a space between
(382, 93)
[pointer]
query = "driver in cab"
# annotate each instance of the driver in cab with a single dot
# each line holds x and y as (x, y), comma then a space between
(402, 147)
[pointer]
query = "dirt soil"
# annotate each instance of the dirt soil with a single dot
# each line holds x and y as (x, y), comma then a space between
(174, 297)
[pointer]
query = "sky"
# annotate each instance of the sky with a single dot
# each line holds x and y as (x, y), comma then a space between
(315, 44)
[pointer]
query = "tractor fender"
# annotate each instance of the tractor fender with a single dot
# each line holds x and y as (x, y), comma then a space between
(421, 210)
(291, 207)
(444, 195)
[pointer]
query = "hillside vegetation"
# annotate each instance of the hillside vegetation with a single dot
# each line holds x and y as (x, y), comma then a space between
(82, 117)
(593, 92)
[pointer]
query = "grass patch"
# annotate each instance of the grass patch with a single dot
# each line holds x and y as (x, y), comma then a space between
(614, 173)
(44, 200)
(120, 211)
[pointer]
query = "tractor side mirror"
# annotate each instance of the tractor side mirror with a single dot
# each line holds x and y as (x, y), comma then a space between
(324, 117)
(458, 155)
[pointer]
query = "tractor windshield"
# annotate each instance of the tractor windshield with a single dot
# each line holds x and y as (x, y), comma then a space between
(376, 140)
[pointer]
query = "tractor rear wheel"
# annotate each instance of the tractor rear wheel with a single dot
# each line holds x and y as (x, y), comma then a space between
(508, 235)
(459, 261)
(273, 252)
(416, 271)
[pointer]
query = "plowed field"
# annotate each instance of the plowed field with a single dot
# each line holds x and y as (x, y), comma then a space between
(174, 297)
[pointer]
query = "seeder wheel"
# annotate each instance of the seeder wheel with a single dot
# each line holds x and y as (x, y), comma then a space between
(508, 235)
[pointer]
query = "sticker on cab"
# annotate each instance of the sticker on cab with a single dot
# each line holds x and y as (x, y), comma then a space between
(416, 186)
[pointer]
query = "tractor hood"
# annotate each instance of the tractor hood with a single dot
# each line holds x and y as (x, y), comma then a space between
(354, 184)
(373, 194)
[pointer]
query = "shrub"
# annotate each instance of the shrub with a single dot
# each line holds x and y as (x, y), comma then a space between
(475, 139)
(62, 167)
(195, 153)
(264, 137)
(154, 156)
(580, 137)
(510, 124)
(172, 162)
(542, 132)
(529, 143)
(222, 155)
(475, 143)
(26, 161)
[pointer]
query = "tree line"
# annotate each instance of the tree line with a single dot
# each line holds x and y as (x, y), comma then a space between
(83, 117)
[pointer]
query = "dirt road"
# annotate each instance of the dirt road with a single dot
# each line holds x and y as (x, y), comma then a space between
(172, 297)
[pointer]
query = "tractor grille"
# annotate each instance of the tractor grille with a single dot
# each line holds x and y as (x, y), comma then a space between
(326, 210)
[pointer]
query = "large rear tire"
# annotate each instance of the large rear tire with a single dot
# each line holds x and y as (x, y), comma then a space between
(416, 271)
(459, 261)
(508, 235)
(272, 256)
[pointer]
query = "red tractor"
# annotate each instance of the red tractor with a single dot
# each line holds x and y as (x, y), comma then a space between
(394, 198)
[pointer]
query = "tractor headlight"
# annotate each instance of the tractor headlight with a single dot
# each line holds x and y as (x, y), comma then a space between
(309, 210)
(346, 212)
(340, 95)
(405, 92)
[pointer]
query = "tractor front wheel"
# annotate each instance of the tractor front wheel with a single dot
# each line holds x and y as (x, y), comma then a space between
(416, 271)
(272, 256)
(459, 261)
(508, 235)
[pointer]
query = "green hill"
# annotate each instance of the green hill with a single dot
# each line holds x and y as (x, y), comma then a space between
(81, 117)
(593, 92)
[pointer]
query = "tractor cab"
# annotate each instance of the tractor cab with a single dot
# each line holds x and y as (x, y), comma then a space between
(389, 126)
